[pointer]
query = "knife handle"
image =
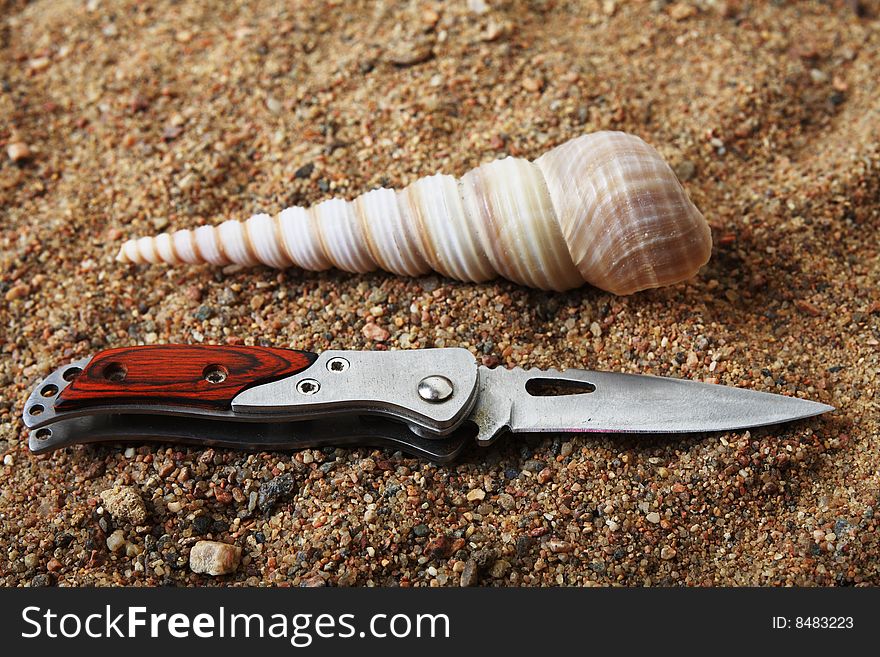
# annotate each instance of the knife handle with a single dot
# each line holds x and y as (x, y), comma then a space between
(203, 376)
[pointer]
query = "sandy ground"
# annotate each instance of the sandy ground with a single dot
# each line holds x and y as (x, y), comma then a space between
(123, 118)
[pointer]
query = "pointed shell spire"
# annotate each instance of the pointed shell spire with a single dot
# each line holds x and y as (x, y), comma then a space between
(604, 208)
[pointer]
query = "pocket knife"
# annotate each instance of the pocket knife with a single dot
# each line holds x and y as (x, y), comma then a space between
(427, 402)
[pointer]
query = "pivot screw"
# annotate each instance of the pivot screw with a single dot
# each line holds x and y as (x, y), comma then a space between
(435, 388)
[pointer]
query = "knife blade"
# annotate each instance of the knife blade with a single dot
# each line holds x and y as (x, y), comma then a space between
(429, 402)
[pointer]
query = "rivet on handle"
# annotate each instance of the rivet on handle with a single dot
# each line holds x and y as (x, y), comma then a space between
(435, 388)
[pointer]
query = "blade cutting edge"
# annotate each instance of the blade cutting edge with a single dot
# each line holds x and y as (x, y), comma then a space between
(625, 403)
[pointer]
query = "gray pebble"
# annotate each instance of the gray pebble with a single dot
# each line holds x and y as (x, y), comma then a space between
(685, 170)
(471, 573)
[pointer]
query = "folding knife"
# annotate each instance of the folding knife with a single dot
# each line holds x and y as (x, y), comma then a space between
(427, 402)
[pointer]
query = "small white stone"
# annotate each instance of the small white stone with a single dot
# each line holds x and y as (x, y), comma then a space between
(129, 453)
(653, 517)
(116, 540)
(818, 76)
(274, 105)
(175, 507)
(8, 459)
(18, 151)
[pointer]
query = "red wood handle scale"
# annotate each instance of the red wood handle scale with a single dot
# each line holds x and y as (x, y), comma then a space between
(206, 376)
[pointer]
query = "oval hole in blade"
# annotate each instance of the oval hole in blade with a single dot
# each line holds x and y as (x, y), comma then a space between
(557, 387)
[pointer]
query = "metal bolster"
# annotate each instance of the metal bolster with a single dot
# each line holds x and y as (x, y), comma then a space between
(432, 390)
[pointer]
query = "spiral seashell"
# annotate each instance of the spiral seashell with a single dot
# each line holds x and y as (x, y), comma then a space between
(604, 208)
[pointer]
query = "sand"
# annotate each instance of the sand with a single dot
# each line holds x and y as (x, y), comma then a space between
(119, 119)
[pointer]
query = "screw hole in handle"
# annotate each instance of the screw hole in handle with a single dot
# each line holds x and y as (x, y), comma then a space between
(115, 372)
(71, 373)
(215, 373)
(49, 390)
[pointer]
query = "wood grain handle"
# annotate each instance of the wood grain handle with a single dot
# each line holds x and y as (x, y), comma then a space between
(206, 376)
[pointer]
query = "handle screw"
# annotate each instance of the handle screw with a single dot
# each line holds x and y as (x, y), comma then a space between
(308, 387)
(337, 364)
(435, 388)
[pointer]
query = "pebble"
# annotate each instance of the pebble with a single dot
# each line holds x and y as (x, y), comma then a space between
(18, 151)
(18, 291)
(409, 53)
(304, 171)
(274, 105)
(313, 582)
(506, 501)
(685, 170)
(667, 553)
(681, 10)
(202, 525)
(275, 490)
(653, 517)
(818, 76)
(533, 84)
(470, 573)
(124, 504)
(500, 568)
(533, 465)
(214, 558)
(375, 332)
(116, 540)
(476, 494)
(441, 547)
